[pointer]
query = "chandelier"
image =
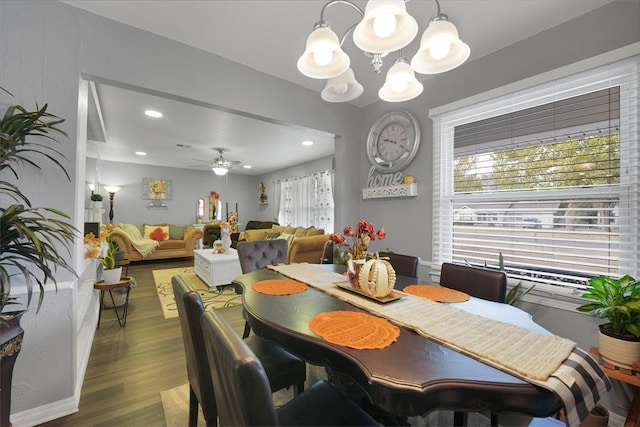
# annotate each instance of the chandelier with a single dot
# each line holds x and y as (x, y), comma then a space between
(386, 26)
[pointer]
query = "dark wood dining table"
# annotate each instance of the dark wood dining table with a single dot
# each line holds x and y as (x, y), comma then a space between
(411, 377)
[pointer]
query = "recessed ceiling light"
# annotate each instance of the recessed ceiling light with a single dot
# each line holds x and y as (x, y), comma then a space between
(141, 153)
(153, 113)
(247, 166)
(307, 142)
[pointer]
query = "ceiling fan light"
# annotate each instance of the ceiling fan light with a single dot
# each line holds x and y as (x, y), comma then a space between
(440, 49)
(376, 32)
(323, 57)
(401, 83)
(342, 88)
(220, 171)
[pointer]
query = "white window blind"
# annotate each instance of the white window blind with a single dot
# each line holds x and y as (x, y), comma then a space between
(547, 177)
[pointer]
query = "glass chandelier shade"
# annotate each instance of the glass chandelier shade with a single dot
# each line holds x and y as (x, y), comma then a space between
(220, 171)
(440, 48)
(323, 57)
(385, 27)
(342, 88)
(401, 83)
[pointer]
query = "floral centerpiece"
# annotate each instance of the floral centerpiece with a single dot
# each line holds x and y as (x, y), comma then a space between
(101, 247)
(361, 237)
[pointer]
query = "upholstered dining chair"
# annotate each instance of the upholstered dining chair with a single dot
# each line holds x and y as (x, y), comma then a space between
(475, 281)
(480, 283)
(282, 368)
(256, 254)
(244, 398)
(404, 265)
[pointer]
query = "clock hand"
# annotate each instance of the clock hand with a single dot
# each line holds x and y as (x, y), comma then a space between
(389, 140)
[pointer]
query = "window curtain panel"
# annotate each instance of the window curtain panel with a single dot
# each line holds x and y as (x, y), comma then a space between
(307, 201)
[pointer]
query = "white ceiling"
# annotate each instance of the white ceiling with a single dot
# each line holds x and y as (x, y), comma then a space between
(269, 36)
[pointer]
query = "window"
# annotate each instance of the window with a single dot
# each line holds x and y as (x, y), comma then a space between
(546, 176)
(307, 201)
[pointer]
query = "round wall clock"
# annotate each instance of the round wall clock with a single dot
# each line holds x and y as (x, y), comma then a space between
(393, 141)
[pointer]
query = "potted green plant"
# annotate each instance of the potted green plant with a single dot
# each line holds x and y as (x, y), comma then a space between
(618, 301)
(96, 197)
(31, 239)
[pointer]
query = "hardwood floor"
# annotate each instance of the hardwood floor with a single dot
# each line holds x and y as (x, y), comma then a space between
(130, 366)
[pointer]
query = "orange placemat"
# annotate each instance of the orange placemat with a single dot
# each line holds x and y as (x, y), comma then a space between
(437, 293)
(279, 287)
(354, 329)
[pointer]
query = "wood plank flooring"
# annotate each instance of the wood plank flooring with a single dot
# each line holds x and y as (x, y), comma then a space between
(130, 366)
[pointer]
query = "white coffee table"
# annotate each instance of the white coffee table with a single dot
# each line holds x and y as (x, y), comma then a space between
(216, 269)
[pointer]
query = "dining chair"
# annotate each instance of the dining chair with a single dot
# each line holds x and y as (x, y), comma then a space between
(403, 265)
(479, 282)
(256, 254)
(283, 368)
(244, 398)
(327, 253)
(475, 281)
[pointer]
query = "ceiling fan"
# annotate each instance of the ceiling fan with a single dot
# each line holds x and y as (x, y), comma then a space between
(220, 166)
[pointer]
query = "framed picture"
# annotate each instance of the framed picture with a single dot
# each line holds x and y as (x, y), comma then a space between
(156, 189)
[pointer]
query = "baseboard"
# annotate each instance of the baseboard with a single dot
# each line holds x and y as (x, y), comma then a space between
(48, 412)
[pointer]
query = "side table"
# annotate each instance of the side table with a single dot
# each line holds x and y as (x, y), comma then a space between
(125, 282)
(629, 376)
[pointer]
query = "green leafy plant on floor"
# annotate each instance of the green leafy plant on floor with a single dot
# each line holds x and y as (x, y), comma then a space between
(617, 300)
(31, 239)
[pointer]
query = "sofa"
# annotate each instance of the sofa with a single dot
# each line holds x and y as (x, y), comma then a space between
(155, 241)
(251, 225)
(305, 244)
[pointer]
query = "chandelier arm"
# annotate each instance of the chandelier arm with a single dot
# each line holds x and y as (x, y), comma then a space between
(334, 2)
(437, 7)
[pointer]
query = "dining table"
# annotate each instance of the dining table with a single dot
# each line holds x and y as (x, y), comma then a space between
(416, 374)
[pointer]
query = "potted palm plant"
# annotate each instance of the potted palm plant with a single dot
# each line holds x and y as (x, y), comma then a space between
(31, 239)
(618, 301)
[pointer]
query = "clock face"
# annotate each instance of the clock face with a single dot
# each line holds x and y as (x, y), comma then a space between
(393, 141)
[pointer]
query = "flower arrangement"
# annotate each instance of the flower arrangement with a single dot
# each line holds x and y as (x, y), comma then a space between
(233, 221)
(363, 234)
(213, 195)
(95, 247)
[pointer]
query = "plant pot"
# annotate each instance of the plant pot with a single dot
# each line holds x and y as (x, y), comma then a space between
(619, 350)
(10, 345)
(118, 256)
(112, 276)
(598, 417)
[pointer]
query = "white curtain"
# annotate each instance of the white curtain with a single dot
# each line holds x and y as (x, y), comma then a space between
(307, 201)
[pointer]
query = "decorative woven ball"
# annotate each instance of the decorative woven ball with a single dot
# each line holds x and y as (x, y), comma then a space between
(377, 278)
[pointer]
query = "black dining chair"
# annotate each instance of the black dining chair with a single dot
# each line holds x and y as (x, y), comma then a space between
(475, 281)
(403, 265)
(243, 397)
(256, 254)
(479, 282)
(283, 368)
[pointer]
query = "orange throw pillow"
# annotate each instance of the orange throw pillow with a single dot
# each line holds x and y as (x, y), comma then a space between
(159, 234)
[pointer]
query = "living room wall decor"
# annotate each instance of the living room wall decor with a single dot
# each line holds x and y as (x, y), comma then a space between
(156, 189)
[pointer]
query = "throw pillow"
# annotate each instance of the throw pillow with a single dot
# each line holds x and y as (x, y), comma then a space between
(301, 231)
(176, 232)
(288, 237)
(155, 232)
(272, 235)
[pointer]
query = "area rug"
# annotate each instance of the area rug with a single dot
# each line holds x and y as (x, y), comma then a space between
(216, 298)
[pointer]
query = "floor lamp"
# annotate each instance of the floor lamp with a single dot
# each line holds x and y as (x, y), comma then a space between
(112, 190)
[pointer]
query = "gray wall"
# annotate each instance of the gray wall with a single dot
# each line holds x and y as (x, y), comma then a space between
(187, 187)
(47, 46)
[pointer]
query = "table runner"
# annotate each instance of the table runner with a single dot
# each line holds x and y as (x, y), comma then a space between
(566, 370)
